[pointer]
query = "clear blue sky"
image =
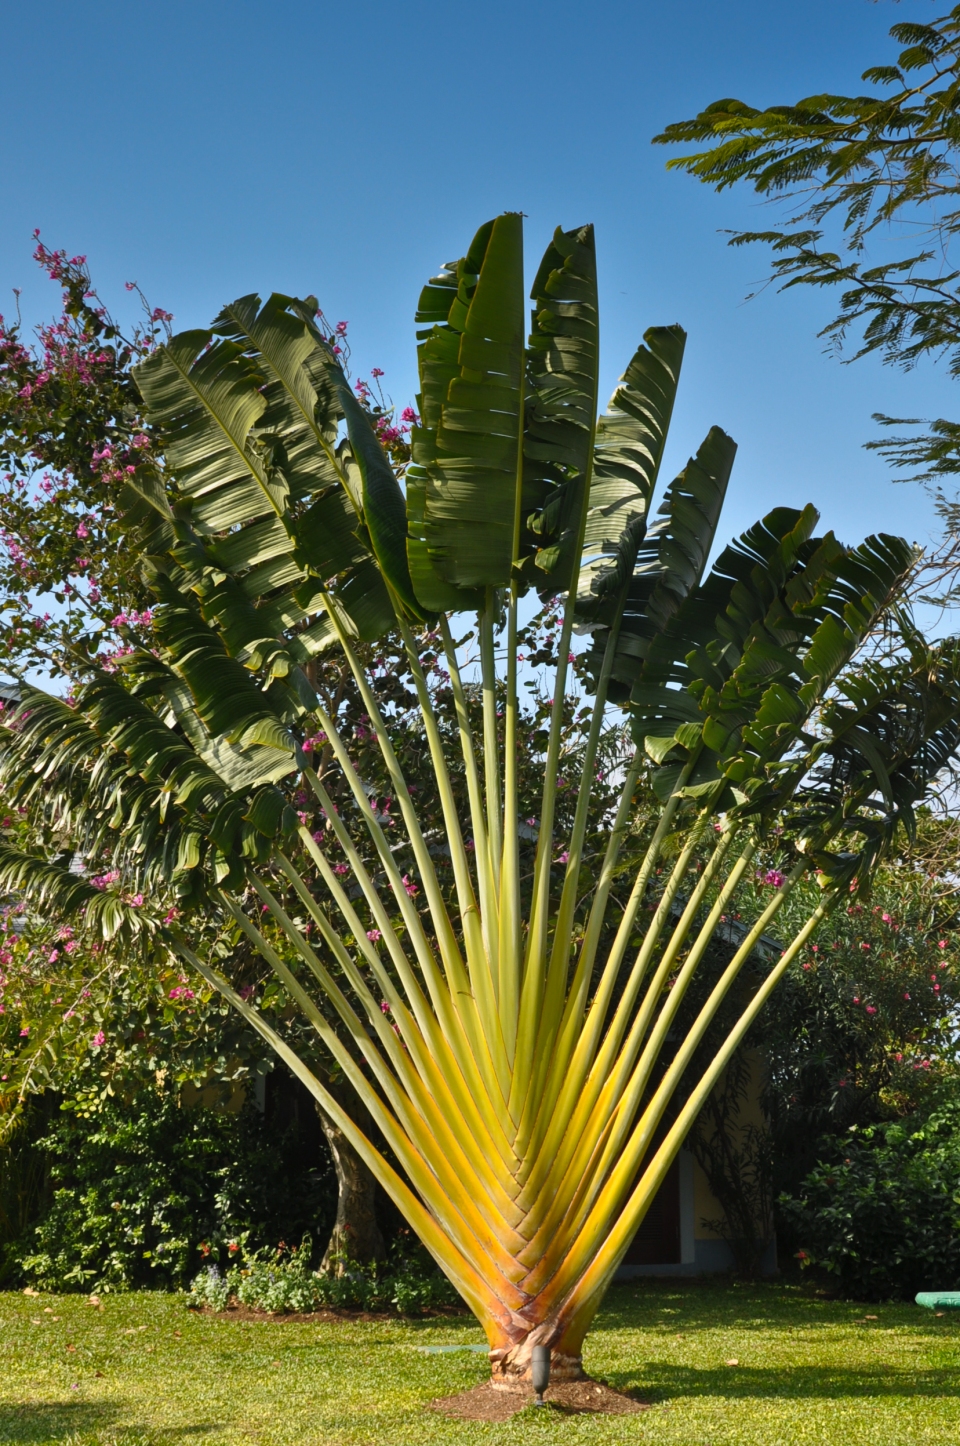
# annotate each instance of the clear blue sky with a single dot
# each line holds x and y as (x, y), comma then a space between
(211, 148)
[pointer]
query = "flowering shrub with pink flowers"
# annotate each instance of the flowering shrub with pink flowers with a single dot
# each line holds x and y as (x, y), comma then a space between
(73, 452)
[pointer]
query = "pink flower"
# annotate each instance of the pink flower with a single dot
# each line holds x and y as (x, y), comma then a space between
(340, 869)
(136, 901)
(99, 1039)
(774, 878)
(24, 1032)
(564, 857)
(942, 944)
(410, 886)
(871, 1009)
(82, 530)
(373, 935)
(384, 1007)
(170, 915)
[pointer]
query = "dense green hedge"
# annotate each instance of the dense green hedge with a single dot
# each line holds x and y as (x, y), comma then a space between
(143, 1192)
(882, 1213)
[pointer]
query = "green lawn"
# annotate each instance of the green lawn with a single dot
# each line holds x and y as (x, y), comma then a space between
(808, 1370)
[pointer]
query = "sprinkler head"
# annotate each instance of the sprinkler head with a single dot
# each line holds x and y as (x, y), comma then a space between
(540, 1372)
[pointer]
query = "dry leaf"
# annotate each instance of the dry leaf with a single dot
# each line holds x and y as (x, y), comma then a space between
(28, 1290)
(71, 1348)
(871, 1317)
(731, 1363)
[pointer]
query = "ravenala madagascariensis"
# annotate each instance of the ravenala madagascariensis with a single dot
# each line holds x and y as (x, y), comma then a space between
(510, 1035)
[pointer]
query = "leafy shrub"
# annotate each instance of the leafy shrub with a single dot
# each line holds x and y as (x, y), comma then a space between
(282, 1280)
(884, 1217)
(142, 1186)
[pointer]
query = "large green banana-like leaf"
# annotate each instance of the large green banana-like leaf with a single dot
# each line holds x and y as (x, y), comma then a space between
(628, 451)
(888, 731)
(463, 488)
(56, 762)
(229, 703)
(652, 580)
(737, 672)
(660, 701)
(563, 360)
(248, 414)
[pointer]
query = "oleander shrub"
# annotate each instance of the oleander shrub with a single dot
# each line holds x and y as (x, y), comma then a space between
(882, 1215)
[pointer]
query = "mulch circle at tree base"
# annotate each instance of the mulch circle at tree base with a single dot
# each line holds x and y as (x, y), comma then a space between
(487, 1402)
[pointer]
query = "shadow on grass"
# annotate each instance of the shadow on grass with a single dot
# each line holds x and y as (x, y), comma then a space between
(660, 1381)
(653, 1304)
(82, 1422)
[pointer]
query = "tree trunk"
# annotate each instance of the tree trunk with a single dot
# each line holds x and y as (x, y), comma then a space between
(356, 1237)
(510, 1365)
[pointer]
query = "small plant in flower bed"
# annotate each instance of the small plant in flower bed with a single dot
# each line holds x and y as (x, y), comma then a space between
(282, 1280)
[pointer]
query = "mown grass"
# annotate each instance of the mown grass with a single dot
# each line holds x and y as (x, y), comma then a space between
(809, 1370)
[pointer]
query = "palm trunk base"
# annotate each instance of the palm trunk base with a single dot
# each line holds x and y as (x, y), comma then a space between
(510, 1366)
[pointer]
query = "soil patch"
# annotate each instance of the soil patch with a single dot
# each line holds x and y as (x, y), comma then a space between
(571, 1398)
(235, 1311)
